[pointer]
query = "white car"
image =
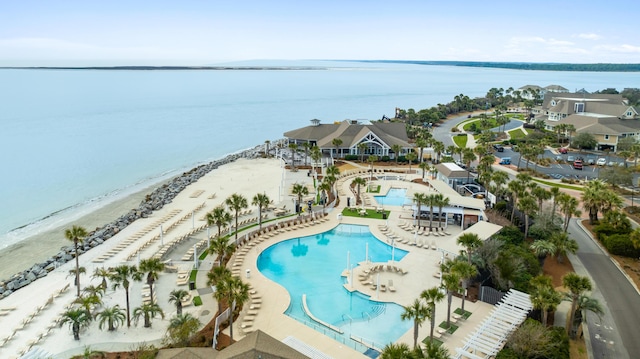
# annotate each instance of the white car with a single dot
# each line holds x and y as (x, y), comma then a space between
(601, 161)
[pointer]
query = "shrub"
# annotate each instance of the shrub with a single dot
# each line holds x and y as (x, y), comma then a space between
(197, 301)
(620, 244)
(352, 157)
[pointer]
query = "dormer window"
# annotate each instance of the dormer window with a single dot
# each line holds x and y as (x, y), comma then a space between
(629, 113)
(553, 102)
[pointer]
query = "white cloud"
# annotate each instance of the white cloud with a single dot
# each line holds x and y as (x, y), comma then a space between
(624, 48)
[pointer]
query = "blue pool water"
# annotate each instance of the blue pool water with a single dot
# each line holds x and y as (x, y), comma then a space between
(395, 197)
(313, 266)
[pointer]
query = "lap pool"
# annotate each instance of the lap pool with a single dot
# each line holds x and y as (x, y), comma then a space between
(313, 265)
(395, 197)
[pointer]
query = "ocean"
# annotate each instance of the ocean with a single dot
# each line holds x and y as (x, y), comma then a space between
(72, 141)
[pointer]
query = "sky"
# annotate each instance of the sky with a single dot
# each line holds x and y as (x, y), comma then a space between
(188, 32)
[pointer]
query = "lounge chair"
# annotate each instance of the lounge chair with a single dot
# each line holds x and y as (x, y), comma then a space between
(391, 287)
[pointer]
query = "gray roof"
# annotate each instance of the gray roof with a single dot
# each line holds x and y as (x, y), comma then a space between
(451, 170)
(351, 133)
(600, 125)
(556, 88)
(603, 105)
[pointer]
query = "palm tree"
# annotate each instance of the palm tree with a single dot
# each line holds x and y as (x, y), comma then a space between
(563, 245)
(471, 242)
(181, 328)
(411, 156)
(358, 181)
(517, 189)
(451, 283)
(326, 188)
(336, 142)
(147, 312)
(542, 248)
(262, 201)
(76, 234)
(77, 318)
(396, 351)
(419, 199)
(569, 208)
(177, 296)
(223, 250)
(424, 166)
(431, 200)
(236, 203)
(441, 201)
(236, 292)
(371, 159)
(120, 276)
(434, 351)
(306, 146)
(93, 291)
(555, 194)
(294, 148)
(438, 147)
(418, 313)
(316, 155)
(361, 148)
(153, 267)
(331, 176)
(468, 156)
(586, 303)
(576, 285)
(432, 296)
(218, 274)
(396, 151)
(540, 194)
(220, 217)
(88, 302)
(466, 272)
(76, 272)
(103, 273)
(112, 316)
(300, 191)
(527, 205)
(544, 298)
(499, 178)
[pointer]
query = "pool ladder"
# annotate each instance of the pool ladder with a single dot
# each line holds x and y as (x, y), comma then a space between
(348, 316)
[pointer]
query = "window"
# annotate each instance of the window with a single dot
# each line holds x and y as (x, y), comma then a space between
(629, 113)
(578, 107)
(606, 137)
(553, 102)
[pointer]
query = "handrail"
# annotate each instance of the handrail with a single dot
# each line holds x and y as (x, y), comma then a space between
(306, 310)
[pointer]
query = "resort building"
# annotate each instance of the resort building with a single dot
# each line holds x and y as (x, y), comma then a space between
(608, 117)
(528, 91)
(378, 138)
(453, 175)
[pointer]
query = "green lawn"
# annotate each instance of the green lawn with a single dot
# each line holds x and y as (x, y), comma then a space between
(492, 123)
(460, 140)
(371, 213)
(436, 342)
(452, 328)
(465, 314)
(374, 190)
(517, 133)
(192, 277)
(197, 301)
(561, 185)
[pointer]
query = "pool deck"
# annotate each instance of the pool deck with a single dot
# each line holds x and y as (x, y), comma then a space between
(420, 264)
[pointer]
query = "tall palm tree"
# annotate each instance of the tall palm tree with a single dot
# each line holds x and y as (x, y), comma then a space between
(411, 156)
(153, 267)
(466, 272)
(431, 200)
(499, 178)
(261, 200)
(236, 293)
(331, 175)
(76, 234)
(418, 313)
(396, 151)
(371, 159)
(120, 276)
(471, 242)
(358, 181)
(223, 250)
(563, 245)
(176, 296)
(419, 199)
(316, 155)
(77, 318)
(451, 283)
(336, 142)
(517, 188)
(102, 272)
(424, 166)
(441, 202)
(527, 205)
(294, 148)
(587, 304)
(361, 148)
(236, 203)
(555, 194)
(218, 274)
(568, 207)
(540, 194)
(468, 156)
(438, 148)
(434, 351)
(112, 316)
(542, 248)
(220, 217)
(147, 312)
(300, 191)
(181, 328)
(576, 285)
(306, 146)
(544, 297)
(432, 296)
(326, 188)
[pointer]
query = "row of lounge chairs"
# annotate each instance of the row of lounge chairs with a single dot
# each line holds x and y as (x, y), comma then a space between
(255, 303)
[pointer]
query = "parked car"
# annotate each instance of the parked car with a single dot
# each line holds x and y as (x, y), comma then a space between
(559, 158)
(577, 165)
(498, 148)
(591, 161)
(601, 161)
(570, 158)
(562, 150)
(611, 163)
(505, 161)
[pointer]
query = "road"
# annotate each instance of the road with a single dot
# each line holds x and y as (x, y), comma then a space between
(615, 335)
(443, 131)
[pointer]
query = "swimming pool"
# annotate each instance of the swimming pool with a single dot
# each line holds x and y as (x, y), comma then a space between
(313, 266)
(395, 197)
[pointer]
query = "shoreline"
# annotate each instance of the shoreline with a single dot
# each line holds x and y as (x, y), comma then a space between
(33, 257)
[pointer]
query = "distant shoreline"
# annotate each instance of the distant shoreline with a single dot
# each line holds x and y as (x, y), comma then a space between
(167, 68)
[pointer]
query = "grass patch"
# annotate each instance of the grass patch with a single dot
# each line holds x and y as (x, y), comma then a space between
(192, 276)
(460, 140)
(491, 121)
(376, 189)
(561, 185)
(517, 133)
(371, 213)
(436, 342)
(451, 329)
(203, 255)
(197, 301)
(465, 314)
